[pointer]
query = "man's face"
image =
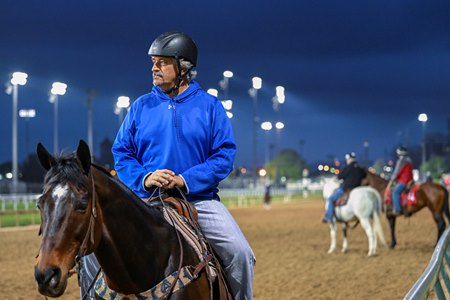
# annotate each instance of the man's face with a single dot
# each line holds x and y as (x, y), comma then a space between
(164, 72)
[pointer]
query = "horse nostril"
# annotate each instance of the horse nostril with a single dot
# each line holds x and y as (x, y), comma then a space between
(54, 275)
(38, 275)
(49, 277)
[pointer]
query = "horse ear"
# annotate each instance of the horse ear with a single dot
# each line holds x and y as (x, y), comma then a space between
(46, 159)
(84, 155)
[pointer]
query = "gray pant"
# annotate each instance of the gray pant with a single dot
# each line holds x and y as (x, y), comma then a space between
(227, 240)
(88, 268)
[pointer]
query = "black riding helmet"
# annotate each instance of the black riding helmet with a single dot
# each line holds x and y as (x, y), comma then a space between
(175, 44)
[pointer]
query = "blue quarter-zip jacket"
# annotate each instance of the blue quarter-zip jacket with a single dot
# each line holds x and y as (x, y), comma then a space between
(189, 134)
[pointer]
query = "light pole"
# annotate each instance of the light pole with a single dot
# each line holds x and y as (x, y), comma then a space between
(279, 126)
(423, 118)
(90, 98)
(266, 126)
(213, 92)
(366, 153)
(224, 85)
(227, 104)
(27, 114)
(123, 102)
(253, 92)
(18, 78)
(277, 101)
(58, 89)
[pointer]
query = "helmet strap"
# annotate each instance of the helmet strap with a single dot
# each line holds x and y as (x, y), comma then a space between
(179, 78)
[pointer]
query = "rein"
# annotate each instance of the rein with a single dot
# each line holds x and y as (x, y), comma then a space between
(89, 237)
(172, 286)
(90, 234)
(198, 232)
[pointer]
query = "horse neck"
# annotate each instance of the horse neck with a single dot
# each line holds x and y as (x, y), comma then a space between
(131, 235)
(378, 183)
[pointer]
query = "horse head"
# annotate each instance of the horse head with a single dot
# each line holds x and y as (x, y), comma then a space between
(65, 206)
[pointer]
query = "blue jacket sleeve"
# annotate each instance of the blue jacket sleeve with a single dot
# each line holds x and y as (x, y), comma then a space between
(222, 153)
(129, 169)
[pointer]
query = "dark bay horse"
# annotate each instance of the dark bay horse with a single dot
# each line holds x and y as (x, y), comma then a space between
(429, 194)
(86, 210)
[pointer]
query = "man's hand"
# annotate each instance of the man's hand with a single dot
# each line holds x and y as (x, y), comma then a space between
(159, 178)
(165, 179)
(177, 181)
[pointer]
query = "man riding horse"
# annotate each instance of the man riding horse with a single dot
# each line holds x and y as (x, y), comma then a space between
(400, 179)
(178, 137)
(352, 176)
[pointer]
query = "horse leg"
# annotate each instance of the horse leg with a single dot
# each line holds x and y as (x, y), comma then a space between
(440, 222)
(371, 237)
(344, 238)
(391, 220)
(333, 228)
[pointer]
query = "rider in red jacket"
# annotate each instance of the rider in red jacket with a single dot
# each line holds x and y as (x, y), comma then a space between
(400, 178)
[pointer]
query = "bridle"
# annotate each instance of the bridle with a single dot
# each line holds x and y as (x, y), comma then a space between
(90, 234)
(89, 238)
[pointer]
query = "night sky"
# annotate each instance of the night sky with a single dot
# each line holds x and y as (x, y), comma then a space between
(353, 71)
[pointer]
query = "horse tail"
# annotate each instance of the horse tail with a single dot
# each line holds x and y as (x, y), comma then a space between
(378, 228)
(376, 218)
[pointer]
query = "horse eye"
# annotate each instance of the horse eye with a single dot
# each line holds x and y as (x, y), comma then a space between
(80, 205)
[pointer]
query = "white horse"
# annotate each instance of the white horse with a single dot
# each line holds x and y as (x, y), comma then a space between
(364, 203)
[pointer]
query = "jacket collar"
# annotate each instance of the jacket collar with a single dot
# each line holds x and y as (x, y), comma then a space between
(193, 87)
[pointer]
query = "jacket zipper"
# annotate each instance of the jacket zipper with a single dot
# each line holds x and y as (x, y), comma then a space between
(174, 113)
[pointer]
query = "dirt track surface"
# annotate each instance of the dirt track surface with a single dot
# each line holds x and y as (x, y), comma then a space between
(290, 244)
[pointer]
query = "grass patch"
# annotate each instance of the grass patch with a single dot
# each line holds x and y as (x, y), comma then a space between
(25, 213)
(19, 218)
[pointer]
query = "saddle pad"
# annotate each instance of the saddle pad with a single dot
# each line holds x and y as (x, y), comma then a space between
(157, 292)
(187, 231)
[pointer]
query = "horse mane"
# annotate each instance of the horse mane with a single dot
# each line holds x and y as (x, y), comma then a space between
(116, 180)
(68, 169)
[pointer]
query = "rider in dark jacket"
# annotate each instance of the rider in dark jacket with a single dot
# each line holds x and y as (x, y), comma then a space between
(352, 175)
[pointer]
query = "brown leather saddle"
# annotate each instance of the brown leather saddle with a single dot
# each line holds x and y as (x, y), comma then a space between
(184, 208)
(343, 199)
(189, 212)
